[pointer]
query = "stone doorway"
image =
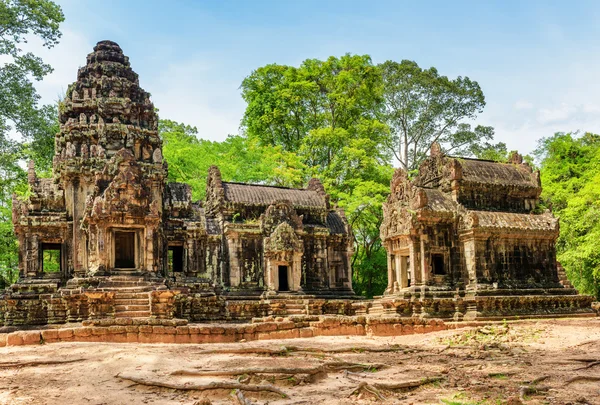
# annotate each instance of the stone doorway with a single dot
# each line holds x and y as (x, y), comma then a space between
(125, 250)
(439, 268)
(175, 259)
(283, 278)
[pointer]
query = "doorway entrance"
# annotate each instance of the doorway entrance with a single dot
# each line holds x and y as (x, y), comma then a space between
(283, 278)
(125, 250)
(438, 265)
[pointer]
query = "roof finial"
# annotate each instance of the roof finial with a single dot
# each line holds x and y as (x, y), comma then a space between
(436, 149)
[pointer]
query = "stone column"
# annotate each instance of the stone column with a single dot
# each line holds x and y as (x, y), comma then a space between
(470, 263)
(398, 284)
(234, 265)
(296, 270)
(403, 272)
(424, 260)
(415, 263)
(391, 274)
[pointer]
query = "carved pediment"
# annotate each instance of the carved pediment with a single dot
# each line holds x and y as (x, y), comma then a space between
(283, 239)
(397, 220)
(278, 213)
(126, 192)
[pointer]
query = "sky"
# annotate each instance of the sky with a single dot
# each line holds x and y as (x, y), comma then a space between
(537, 62)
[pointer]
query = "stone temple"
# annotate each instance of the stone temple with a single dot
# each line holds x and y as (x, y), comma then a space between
(465, 237)
(108, 218)
(109, 237)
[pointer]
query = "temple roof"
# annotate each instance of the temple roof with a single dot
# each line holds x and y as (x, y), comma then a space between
(335, 223)
(489, 172)
(438, 201)
(253, 194)
(509, 220)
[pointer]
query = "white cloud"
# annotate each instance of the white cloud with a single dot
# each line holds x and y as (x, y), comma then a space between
(558, 114)
(65, 58)
(523, 105)
(194, 92)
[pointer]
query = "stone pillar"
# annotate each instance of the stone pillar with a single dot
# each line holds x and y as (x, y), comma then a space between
(403, 271)
(296, 272)
(424, 260)
(415, 263)
(398, 264)
(470, 262)
(391, 274)
(234, 265)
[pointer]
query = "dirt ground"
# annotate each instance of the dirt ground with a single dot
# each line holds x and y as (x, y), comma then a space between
(534, 362)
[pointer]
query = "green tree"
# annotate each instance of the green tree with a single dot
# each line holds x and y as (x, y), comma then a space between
(19, 109)
(421, 107)
(286, 103)
(327, 113)
(239, 159)
(570, 170)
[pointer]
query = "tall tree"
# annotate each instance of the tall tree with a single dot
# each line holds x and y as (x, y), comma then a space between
(20, 19)
(421, 107)
(238, 158)
(286, 103)
(19, 109)
(570, 171)
(327, 113)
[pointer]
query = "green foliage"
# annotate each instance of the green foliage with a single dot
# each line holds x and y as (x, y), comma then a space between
(286, 103)
(19, 109)
(421, 107)
(327, 113)
(239, 159)
(570, 170)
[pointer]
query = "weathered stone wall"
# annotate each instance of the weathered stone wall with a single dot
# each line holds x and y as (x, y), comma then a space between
(178, 331)
(514, 261)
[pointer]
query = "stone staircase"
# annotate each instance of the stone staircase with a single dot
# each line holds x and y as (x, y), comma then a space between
(132, 295)
(562, 277)
(296, 307)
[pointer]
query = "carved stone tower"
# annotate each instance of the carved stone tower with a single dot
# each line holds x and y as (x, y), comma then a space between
(109, 163)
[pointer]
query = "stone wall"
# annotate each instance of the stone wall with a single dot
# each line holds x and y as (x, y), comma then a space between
(179, 331)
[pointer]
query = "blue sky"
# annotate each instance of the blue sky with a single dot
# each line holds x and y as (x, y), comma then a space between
(536, 61)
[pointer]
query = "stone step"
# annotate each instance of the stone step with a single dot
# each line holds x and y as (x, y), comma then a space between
(125, 308)
(126, 278)
(117, 284)
(132, 301)
(133, 314)
(127, 289)
(132, 295)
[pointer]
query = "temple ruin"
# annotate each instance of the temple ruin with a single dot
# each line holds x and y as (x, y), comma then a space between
(108, 219)
(465, 228)
(107, 236)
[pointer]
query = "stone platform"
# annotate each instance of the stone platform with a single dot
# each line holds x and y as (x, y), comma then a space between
(127, 330)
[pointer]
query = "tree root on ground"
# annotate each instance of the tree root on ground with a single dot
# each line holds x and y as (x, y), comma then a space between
(363, 386)
(530, 389)
(224, 385)
(16, 364)
(291, 349)
(582, 378)
(250, 371)
(375, 387)
(323, 368)
(240, 399)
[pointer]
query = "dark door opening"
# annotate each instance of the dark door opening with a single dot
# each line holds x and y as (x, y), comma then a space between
(125, 250)
(438, 265)
(51, 258)
(175, 259)
(283, 278)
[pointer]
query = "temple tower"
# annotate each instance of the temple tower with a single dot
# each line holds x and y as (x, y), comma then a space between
(109, 163)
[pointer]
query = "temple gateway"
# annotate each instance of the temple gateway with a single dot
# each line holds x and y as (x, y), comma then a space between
(107, 236)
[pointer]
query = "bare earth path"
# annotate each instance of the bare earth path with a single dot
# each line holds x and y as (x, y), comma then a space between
(550, 361)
